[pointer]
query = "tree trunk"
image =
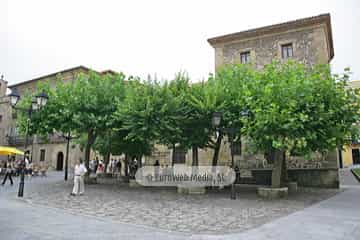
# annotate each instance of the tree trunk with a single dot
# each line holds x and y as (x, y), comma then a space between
(195, 156)
(90, 141)
(277, 168)
(217, 150)
(87, 155)
(173, 155)
(284, 172)
(126, 165)
(107, 160)
(139, 158)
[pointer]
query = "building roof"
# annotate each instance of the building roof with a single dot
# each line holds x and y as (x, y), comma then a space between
(278, 28)
(108, 71)
(51, 75)
(60, 72)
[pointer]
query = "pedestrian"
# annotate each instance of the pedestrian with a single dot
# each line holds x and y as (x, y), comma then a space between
(79, 174)
(26, 161)
(9, 169)
(96, 164)
(118, 165)
(92, 165)
(30, 169)
(156, 169)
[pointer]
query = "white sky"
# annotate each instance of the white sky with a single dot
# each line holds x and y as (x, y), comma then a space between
(147, 37)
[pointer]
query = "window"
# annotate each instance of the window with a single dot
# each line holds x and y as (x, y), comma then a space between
(245, 57)
(236, 148)
(1, 118)
(179, 156)
(287, 50)
(42, 155)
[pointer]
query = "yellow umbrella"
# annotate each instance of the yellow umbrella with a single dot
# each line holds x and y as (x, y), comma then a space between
(10, 151)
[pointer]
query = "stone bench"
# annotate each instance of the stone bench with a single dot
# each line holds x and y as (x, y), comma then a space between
(272, 193)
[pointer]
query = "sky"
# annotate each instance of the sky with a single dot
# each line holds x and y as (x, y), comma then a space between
(141, 37)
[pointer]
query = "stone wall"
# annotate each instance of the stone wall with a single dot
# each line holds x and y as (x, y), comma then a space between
(8, 123)
(317, 171)
(309, 47)
(53, 80)
(321, 177)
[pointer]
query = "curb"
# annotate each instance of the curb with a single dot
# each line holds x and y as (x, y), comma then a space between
(355, 175)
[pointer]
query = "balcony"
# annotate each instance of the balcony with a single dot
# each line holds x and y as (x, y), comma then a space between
(18, 140)
(50, 139)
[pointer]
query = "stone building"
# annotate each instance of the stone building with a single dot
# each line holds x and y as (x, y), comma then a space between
(48, 151)
(307, 40)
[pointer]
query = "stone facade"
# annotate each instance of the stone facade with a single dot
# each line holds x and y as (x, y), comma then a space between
(309, 45)
(311, 42)
(5, 113)
(310, 38)
(54, 148)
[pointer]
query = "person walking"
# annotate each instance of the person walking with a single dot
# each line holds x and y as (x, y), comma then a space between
(118, 166)
(79, 173)
(9, 169)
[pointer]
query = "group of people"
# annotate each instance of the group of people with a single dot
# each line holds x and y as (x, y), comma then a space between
(14, 167)
(98, 166)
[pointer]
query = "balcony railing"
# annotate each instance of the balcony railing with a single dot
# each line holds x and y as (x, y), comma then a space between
(51, 139)
(18, 140)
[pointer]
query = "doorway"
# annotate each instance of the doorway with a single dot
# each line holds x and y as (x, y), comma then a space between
(60, 162)
(356, 156)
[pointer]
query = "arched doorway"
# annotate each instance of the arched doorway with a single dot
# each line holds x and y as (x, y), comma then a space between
(60, 161)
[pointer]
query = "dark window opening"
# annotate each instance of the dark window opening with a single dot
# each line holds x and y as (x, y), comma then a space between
(236, 148)
(42, 155)
(245, 57)
(287, 51)
(179, 156)
(356, 156)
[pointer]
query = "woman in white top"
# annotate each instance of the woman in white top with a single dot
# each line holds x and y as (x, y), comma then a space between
(79, 173)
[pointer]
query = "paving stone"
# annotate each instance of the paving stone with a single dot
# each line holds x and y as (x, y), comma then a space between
(212, 212)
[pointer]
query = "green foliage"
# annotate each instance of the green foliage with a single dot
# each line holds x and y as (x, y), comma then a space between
(293, 108)
(299, 109)
(82, 107)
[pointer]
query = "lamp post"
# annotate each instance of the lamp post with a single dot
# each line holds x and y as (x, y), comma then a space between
(68, 138)
(215, 121)
(39, 102)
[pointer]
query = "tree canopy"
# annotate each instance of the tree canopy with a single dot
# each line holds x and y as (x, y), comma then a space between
(292, 109)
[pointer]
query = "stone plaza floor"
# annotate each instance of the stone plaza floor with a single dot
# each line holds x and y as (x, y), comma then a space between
(211, 213)
(47, 212)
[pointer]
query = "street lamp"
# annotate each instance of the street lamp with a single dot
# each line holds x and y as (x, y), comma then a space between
(68, 138)
(14, 97)
(41, 99)
(216, 120)
(37, 103)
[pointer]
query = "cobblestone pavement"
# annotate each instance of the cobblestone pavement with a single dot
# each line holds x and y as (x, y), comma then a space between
(211, 213)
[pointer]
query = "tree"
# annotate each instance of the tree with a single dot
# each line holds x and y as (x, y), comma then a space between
(298, 109)
(84, 107)
(150, 114)
(221, 93)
